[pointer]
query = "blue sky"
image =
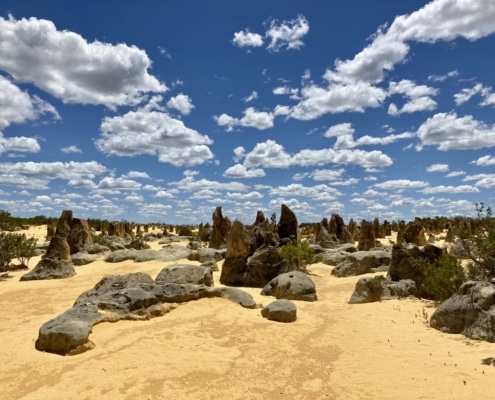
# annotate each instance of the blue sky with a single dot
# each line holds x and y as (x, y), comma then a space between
(158, 111)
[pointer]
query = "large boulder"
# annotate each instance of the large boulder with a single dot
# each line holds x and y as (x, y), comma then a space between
(371, 289)
(259, 269)
(471, 312)
(293, 285)
(280, 311)
(55, 264)
(402, 265)
(324, 239)
(363, 262)
(183, 273)
(128, 297)
(169, 253)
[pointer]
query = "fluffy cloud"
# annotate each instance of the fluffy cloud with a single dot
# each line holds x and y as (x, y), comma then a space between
(71, 149)
(270, 154)
(450, 189)
(438, 168)
(189, 184)
(284, 35)
(32, 175)
(246, 38)
(337, 98)
(352, 83)
(252, 119)
(449, 132)
(70, 68)
(318, 192)
(345, 140)
(181, 103)
(484, 161)
(418, 97)
(287, 34)
(400, 184)
(240, 171)
(18, 107)
(153, 132)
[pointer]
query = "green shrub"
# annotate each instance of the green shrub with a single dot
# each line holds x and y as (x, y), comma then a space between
(26, 249)
(443, 277)
(13, 245)
(299, 254)
(479, 244)
(101, 239)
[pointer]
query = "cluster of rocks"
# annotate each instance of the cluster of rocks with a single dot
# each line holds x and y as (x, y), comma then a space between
(137, 296)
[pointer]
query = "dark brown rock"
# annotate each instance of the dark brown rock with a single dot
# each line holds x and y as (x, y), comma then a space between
(367, 238)
(287, 225)
(221, 227)
(79, 237)
(55, 264)
(64, 222)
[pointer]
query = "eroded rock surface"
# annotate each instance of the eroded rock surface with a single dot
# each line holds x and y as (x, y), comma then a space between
(133, 296)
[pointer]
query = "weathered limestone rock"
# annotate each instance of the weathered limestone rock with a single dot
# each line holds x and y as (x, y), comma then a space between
(293, 285)
(64, 223)
(324, 239)
(280, 311)
(55, 264)
(79, 237)
(50, 231)
(183, 273)
(131, 297)
(371, 289)
(287, 225)
(415, 233)
(401, 266)
(363, 262)
(169, 253)
(471, 312)
(221, 227)
(367, 239)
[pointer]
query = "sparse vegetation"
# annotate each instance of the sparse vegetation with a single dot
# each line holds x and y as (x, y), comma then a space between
(479, 243)
(299, 254)
(443, 278)
(15, 246)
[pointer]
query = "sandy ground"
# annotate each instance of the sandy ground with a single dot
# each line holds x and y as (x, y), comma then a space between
(215, 349)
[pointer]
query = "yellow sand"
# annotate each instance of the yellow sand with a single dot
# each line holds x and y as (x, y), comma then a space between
(215, 349)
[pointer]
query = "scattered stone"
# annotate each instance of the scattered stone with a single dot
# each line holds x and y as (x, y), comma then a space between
(280, 311)
(372, 289)
(293, 285)
(82, 258)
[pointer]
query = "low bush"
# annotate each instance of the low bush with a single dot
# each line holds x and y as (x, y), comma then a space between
(12, 246)
(299, 254)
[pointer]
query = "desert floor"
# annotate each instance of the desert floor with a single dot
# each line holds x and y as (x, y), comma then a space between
(215, 349)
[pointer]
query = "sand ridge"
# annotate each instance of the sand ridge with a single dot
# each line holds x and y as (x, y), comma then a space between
(214, 349)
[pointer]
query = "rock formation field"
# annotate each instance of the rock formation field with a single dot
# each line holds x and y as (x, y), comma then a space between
(212, 348)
